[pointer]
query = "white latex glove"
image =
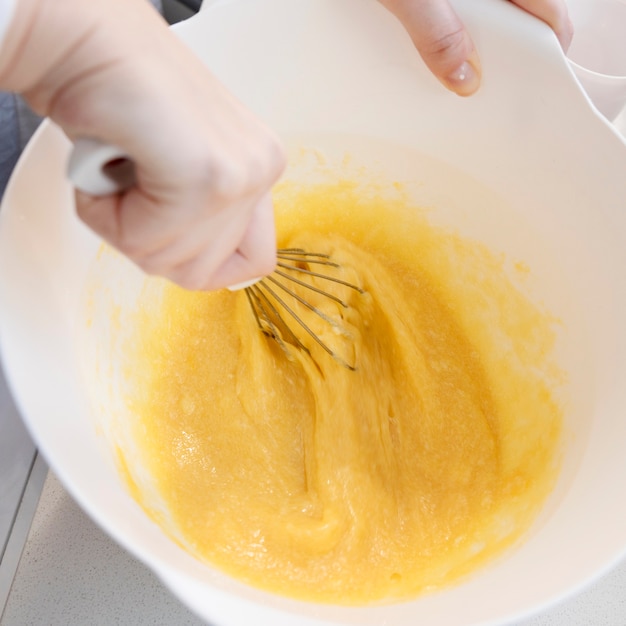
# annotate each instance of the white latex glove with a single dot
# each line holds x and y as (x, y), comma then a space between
(447, 47)
(201, 213)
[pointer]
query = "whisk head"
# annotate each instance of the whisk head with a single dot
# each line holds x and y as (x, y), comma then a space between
(272, 298)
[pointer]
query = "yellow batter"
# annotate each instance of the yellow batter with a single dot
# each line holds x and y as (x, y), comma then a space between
(313, 481)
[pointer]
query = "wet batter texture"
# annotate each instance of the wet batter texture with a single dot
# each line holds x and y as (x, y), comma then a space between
(302, 477)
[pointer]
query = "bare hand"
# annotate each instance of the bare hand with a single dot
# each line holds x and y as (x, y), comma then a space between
(201, 212)
(446, 46)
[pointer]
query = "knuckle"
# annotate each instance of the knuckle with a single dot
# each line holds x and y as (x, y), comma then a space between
(447, 45)
(193, 272)
(229, 179)
(185, 275)
(133, 245)
(276, 158)
(279, 165)
(148, 264)
(255, 166)
(133, 249)
(191, 282)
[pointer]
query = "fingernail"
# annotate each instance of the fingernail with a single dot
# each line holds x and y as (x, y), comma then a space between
(465, 80)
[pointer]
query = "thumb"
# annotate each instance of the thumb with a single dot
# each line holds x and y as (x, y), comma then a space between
(442, 41)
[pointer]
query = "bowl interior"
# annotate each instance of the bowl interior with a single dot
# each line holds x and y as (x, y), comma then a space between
(525, 166)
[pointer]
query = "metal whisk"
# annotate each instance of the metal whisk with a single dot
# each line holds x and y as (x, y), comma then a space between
(90, 169)
(271, 298)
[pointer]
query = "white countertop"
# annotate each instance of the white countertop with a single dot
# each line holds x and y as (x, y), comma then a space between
(72, 574)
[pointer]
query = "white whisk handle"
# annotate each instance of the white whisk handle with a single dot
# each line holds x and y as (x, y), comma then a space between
(244, 284)
(99, 169)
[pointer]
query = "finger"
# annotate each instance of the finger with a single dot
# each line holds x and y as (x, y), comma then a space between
(195, 254)
(254, 257)
(442, 41)
(555, 14)
(128, 221)
(99, 213)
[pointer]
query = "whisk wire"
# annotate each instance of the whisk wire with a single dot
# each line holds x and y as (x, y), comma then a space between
(304, 302)
(258, 302)
(332, 279)
(300, 255)
(296, 317)
(268, 305)
(293, 279)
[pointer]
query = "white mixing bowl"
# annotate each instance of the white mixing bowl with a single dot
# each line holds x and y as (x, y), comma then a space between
(526, 165)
